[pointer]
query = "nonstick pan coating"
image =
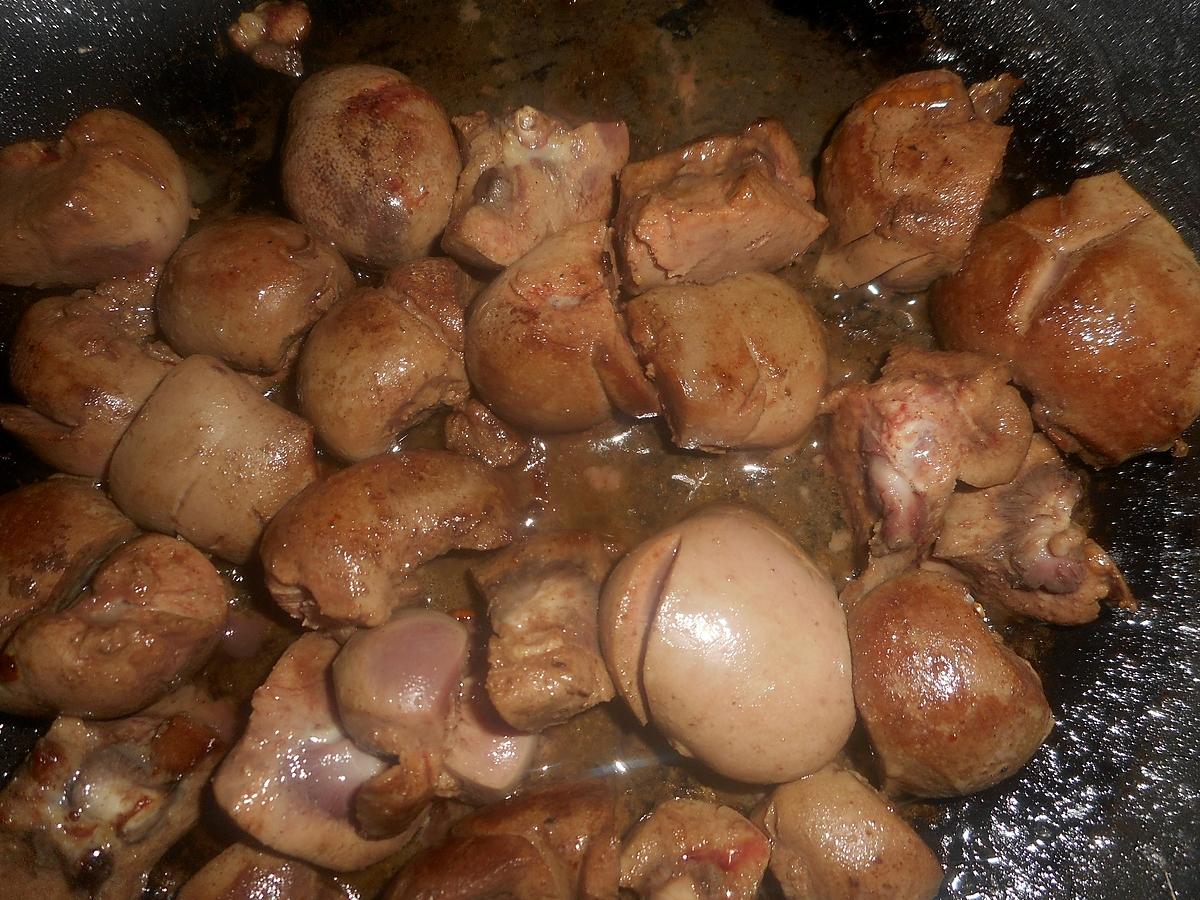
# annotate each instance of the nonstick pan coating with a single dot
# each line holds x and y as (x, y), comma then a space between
(1110, 808)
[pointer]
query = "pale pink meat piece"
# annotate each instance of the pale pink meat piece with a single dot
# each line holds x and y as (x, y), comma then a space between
(486, 758)
(527, 175)
(721, 205)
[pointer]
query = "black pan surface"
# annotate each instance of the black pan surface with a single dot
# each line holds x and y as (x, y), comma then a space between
(1110, 807)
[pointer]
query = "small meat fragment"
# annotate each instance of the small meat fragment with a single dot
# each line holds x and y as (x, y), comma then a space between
(369, 163)
(899, 445)
(474, 430)
(1094, 299)
(240, 872)
(486, 758)
(271, 35)
(528, 175)
(722, 205)
(1020, 548)
(95, 804)
(559, 844)
(739, 364)
(150, 618)
(290, 781)
(344, 551)
(834, 837)
(383, 360)
(544, 662)
(692, 850)
(208, 458)
(948, 707)
(545, 347)
(108, 199)
(55, 534)
(247, 290)
(905, 177)
(84, 364)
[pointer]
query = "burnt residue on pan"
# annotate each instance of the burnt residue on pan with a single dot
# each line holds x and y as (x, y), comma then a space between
(1109, 807)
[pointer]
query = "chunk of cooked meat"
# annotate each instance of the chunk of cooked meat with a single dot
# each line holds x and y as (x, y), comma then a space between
(84, 364)
(693, 850)
(344, 551)
(247, 290)
(240, 872)
(573, 824)
(1020, 548)
(721, 205)
(396, 684)
(272, 33)
(948, 707)
(1094, 299)
(486, 758)
(545, 347)
(899, 445)
(107, 199)
(290, 780)
(723, 633)
(208, 458)
(55, 534)
(739, 364)
(95, 804)
(526, 176)
(383, 360)
(487, 867)
(474, 430)
(834, 837)
(544, 662)
(150, 618)
(905, 176)
(369, 163)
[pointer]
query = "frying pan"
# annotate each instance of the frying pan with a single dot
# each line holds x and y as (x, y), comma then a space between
(1110, 807)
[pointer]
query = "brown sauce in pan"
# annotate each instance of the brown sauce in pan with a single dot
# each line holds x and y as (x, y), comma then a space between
(672, 72)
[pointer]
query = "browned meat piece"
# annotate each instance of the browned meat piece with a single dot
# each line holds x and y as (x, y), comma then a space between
(385, 359)
(271, 35)
(95, 805)
(545, 347)
(396, 686)
(85, 364)
(949, 708)
(526, 176)
(343, 552)
(210, 459)
(574, 824)
(107, 199)
(834, 837)
(151, 618)
(905, 176)
(739, 364)
(899, 445)
(474, 430)
(246, 290)
(544, 662)
(290, 781)
(488, 867)
(721, 205)
(692, 850)
(240, 872)
(55, 533)
(722, 632)
(370, 163)
(1094, 299)
(1020, 548)
(486, 758)
(558, 844)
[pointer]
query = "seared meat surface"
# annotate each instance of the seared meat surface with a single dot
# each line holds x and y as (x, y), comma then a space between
(271, 35)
